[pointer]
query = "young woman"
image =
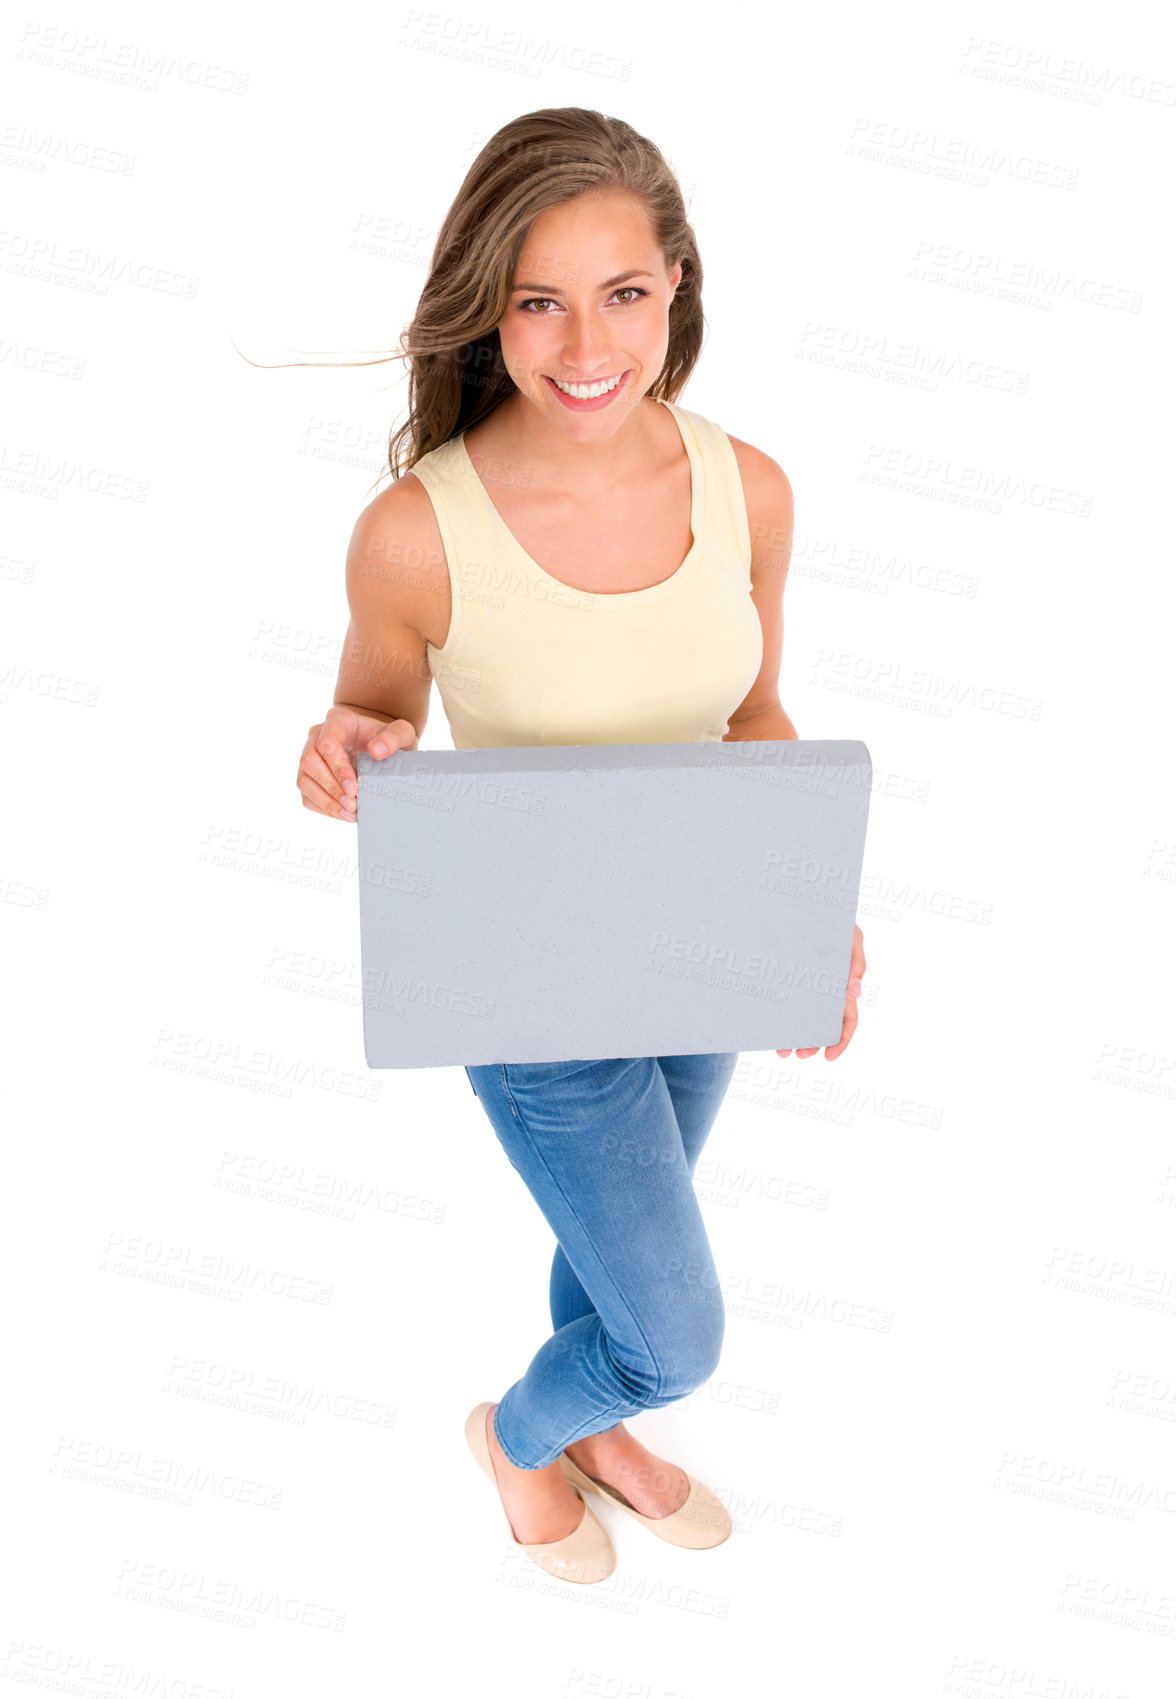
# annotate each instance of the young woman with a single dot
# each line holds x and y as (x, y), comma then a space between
(575, 559)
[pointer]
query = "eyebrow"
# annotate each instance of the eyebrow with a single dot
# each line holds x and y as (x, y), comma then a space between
(610, 283)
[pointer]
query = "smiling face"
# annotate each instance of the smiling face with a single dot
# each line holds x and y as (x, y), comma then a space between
(589, 311)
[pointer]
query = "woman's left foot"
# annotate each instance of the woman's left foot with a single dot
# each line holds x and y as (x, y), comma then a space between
(647, 1483)
(662, 1497)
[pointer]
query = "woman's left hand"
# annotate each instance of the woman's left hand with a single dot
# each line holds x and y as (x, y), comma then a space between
(857, 966)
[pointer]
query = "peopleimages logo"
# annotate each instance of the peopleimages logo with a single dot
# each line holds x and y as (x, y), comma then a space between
(1036, 68)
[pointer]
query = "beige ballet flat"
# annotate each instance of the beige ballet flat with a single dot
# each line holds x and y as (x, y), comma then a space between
(584, 1555)
(703, 1521)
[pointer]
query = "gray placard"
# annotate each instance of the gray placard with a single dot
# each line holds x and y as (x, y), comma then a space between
(570, 902)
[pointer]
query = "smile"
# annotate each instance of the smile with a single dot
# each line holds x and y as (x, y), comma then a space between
(588, 391)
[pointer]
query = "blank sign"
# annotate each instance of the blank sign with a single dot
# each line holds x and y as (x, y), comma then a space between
(559, 903)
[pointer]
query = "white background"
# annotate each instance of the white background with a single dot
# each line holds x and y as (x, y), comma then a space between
(939, 293)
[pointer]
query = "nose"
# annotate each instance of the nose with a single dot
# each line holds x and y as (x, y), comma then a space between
(586, 346)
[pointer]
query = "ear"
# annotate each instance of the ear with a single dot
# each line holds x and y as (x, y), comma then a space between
(675, 279)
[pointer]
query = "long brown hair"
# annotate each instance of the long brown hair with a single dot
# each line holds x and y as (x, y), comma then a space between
(539, 160)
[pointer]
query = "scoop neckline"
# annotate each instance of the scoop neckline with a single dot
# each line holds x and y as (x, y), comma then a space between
(629, 598)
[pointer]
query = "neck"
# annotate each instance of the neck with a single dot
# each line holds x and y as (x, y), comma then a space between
(517, 432)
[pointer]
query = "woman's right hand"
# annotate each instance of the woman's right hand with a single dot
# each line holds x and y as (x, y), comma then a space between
(326, 771)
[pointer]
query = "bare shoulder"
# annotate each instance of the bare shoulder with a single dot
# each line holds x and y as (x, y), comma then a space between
(398, 525)
(396, 559)
(770, 507)
(764, 479)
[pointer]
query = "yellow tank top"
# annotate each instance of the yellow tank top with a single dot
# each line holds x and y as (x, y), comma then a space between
(529, 660)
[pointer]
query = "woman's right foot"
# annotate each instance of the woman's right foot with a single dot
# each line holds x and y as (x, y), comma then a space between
(540, 1504)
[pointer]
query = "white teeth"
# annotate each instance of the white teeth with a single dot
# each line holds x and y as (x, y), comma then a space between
(587, 391)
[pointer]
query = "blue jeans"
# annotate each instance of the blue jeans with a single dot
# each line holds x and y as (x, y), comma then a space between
(608, 1149)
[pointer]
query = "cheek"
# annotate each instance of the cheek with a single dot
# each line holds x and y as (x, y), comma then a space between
(522, 343)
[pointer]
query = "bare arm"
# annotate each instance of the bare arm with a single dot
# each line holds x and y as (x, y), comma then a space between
(768, 495)
(382, 691)
(760, 716)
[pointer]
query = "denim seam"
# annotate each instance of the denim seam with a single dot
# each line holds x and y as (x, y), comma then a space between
(584, 1230)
